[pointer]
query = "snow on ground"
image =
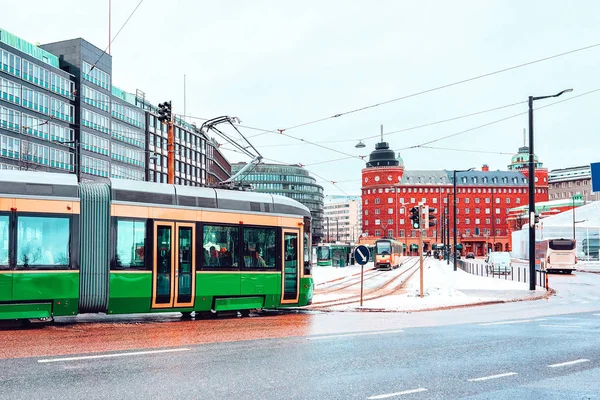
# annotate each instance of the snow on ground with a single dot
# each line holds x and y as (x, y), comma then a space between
(326, 274)
(444, 287)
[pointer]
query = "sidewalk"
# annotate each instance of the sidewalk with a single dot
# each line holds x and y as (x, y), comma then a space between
(445, 288)
(329, 274)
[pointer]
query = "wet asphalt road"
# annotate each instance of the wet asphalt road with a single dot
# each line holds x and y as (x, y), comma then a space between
(442, 362)
(322, 355)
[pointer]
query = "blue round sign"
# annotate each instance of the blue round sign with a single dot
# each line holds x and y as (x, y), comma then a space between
(361, 255)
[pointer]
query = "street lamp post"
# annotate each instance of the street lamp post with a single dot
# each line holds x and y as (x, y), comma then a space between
(532, 189)
(454, 216)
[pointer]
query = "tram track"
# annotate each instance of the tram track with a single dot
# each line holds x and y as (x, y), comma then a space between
(349, 282)
(388, 288)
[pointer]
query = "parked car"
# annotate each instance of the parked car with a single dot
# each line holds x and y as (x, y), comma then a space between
(470, 255)
(498, 262)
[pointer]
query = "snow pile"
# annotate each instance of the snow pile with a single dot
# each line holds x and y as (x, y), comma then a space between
(443, 287)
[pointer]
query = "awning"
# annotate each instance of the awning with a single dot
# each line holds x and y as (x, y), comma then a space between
(438, 246)
(414, 246)
(404, 245)
(459, 246)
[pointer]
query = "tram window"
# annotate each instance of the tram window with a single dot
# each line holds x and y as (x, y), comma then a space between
(4, 241)
(43, 241)
(259, 248)
(220, 247)
(131, 238)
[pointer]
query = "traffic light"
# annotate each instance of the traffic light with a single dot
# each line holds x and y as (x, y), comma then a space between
(415, 218)
(431, 217)
(164, 112)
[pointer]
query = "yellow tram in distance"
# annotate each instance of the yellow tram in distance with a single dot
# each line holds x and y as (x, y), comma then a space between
(388, 253)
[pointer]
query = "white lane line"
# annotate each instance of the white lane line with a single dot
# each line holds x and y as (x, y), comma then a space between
(597, 315)
(560, 326)
(136, 353)
(353, 334)
(385, 396)
(564, 364)
(485, 378)
(519, 321)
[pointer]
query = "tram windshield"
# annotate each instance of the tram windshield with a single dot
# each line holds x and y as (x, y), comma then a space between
(323, 253)
(383, 248)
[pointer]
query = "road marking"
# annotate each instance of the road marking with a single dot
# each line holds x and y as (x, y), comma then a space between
(564, 364)
(385, 396)
(136, 353)
(560, 326)
(520, 321)
(353, 334)
(597, 315)
(485, 378)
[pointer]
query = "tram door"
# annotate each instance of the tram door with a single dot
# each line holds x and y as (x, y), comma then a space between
(291, 261)
(174, 284)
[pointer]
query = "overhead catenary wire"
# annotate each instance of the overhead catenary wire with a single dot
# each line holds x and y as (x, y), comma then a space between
(117, 34)
(456, 83)
(497, 121)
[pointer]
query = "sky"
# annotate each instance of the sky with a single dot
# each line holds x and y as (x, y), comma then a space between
(279, 64)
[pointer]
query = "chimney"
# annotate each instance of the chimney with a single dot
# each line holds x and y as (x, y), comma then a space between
(485, 168)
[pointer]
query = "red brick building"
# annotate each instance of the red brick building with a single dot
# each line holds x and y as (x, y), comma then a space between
(483, 200)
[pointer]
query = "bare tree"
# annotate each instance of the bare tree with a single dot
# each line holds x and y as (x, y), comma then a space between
(26, 161)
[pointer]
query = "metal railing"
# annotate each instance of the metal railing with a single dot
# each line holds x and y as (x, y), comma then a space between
(517, 274)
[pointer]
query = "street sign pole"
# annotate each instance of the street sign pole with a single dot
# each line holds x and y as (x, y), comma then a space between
(421, 252)
(362, 255)
(362, 275)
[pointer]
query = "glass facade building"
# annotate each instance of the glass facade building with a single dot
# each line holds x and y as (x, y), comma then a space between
(59, 111)
(291, 181)
(36, 109)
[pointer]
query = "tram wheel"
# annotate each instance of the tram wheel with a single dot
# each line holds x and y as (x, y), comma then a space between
(245, 313)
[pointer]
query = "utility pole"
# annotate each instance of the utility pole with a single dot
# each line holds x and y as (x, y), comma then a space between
(421, 249)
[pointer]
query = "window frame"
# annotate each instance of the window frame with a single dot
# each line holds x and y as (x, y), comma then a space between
(200, 246)
(72, 246)
(148, 238)
(242, 243)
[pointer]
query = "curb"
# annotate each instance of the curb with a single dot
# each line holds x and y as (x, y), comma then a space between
(588, 271)
(546, 295)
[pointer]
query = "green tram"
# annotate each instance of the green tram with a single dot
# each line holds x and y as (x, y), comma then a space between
(138, 247)
(337, 255)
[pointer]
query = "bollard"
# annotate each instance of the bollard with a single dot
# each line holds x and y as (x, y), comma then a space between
(547, 287)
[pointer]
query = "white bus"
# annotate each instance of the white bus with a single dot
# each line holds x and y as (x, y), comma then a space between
(556, 255)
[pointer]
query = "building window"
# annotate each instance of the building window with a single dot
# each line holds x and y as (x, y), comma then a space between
(497, 211)
(43, 242)
(477, 211)
(488, 221)
(377, 232)
(390, 200)
(390, 210)
(467, 221)
(518, 201)
(401, 221)
(487, 210)
(377, 222)
(390, 233)
(377, 200)
(401, 232)
(377, 211)
(366, 201)
(390, 221)
(412, 200)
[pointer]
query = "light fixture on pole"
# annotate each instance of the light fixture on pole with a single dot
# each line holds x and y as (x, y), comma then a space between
(360, 145)
(454, 216)
(532, 189)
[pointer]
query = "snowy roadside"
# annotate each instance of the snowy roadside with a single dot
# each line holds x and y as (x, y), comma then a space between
(444, 287)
